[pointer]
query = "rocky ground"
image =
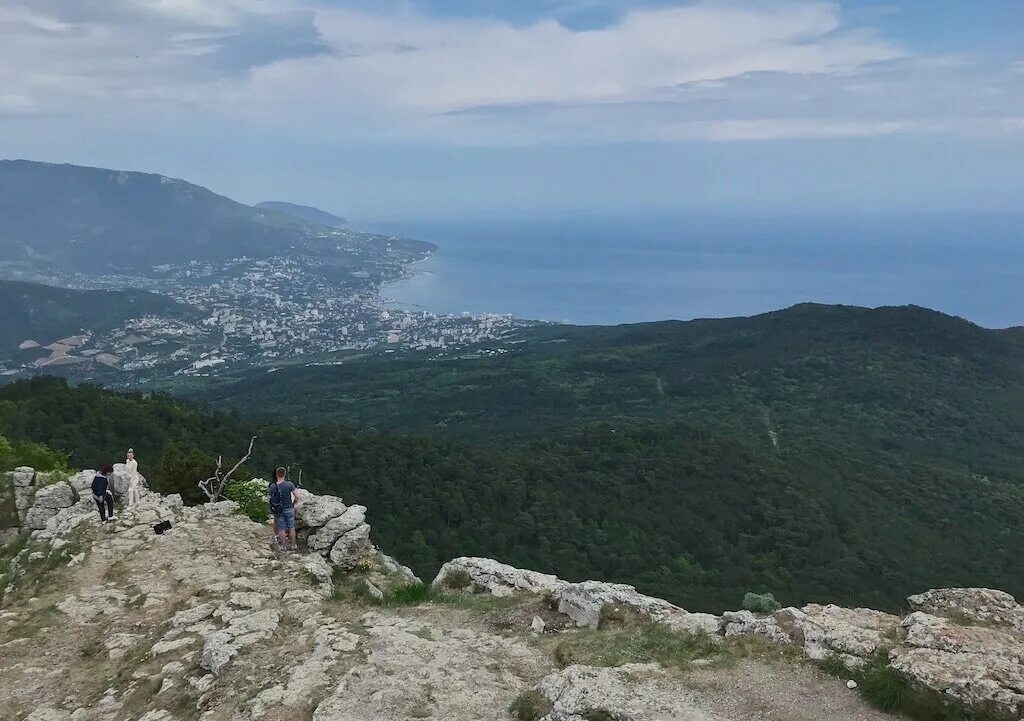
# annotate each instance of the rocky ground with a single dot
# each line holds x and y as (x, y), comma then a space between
(206, 621)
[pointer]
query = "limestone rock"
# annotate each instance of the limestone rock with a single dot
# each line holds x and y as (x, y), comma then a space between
(162, 647)
(499, 579)
(851, 634)
(217, 652)
(352, 548)
(219, 509)
(744, 623)
(583, 602)
(976, 666)
(23, 476)
(409, 669)
(189, 616)
(47, 503)
(119, 482)
(49, 713)
(57, 495)
(325, 537)
(638, 692)
(980, 605)
(318, 568)
(315, 511)
(82, 481)
(391, 567)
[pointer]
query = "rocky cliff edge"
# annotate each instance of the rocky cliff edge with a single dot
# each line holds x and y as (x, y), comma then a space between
(207, 621)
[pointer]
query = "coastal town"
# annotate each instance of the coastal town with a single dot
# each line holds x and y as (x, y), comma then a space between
(246, 313)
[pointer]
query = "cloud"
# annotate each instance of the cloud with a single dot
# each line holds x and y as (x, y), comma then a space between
(713, 71)
(60, 56)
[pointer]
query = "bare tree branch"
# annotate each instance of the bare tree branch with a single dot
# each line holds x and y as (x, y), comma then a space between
(213, 486)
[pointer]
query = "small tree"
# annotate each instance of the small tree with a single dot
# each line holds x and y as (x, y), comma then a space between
(213, 486)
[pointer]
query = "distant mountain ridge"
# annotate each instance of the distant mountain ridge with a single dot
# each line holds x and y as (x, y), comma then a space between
(303, 212)
(95, 219)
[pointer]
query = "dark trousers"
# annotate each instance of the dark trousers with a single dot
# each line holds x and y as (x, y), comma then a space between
(106, 506)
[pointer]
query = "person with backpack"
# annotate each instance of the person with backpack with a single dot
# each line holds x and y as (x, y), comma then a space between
(101, 493)
(282, 499)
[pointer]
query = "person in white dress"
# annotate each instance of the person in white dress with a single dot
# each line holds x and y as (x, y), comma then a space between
(131, 466)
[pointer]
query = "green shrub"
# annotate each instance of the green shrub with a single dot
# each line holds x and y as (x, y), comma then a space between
(251, 497)
(530, 706)
(457, 579)
(35, 455)
(761, 603)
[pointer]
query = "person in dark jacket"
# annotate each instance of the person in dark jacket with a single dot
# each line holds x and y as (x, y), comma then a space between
(102, 495)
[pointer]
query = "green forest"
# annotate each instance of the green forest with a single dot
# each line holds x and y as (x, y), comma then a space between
(876, 489)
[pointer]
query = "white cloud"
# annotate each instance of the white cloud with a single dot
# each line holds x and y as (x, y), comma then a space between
(440, 65)
(772, 69)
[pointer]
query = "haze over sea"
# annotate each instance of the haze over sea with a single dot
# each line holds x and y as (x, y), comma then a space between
(601, 270)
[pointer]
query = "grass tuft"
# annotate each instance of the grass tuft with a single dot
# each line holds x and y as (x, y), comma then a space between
(530, 706)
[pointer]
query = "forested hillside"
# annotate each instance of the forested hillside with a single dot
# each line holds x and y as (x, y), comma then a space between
(832, 381)
(45, 314)
(680, 511)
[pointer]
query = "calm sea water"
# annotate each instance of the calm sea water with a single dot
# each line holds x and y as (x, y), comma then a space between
(617, 270)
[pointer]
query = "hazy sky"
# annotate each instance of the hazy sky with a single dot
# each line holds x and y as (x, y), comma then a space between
(381, 108)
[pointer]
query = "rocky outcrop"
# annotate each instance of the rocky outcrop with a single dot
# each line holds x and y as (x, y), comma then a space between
(852, 635)
(633, 691)
(30, 499)
(498, 579)
(582, 602)
(237, 599)
(980, 667)
(336, 531)
(49, 500)
(978, 605)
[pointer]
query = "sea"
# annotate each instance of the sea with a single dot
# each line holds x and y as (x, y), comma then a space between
(594, 269)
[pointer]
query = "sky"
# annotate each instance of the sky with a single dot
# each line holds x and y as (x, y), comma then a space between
(384, 109)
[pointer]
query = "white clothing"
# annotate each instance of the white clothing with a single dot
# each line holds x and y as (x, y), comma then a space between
(131, 467)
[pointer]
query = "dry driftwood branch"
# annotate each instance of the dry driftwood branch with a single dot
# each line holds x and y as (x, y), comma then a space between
(213, 486)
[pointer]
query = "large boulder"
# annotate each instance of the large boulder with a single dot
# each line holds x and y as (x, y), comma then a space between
(119, 482)
(976, 605)
(82, 481)
(352, 548)
(23, 476)
(584, 602)
(745, 623)
(324, 538)
(48, 501)
(498, 579)
(315, 511)
(853, 635)
(978, 667)
(56, 495)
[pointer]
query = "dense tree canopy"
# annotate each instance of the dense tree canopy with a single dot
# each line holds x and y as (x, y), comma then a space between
(679, 511)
